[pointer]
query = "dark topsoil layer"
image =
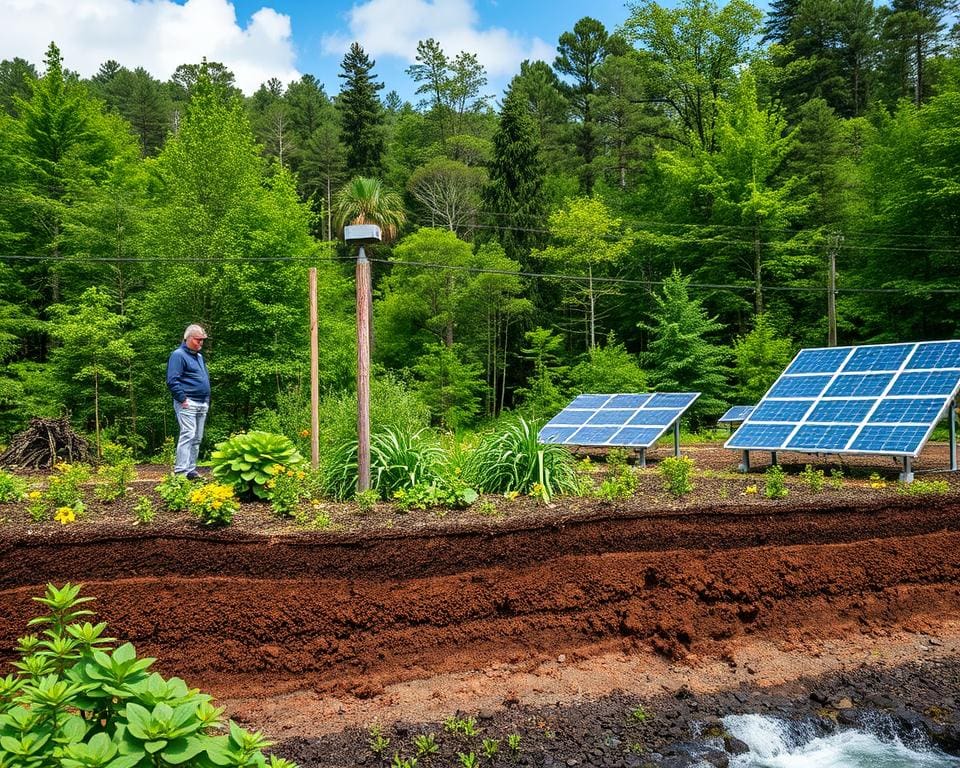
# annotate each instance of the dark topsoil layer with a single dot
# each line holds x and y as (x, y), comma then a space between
(264, 608)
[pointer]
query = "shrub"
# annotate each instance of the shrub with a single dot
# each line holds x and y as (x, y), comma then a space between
(514, 460)
(214, 504)
(244, 461)
(286, 488)
(675, 471)
(63, 487)
(836, 479)
(78, 701)
(775, 482)
(924, 488)
(175, 491)
(12, 488)
(117, 472)
(621, 483)
(143, 510)
(814, 479)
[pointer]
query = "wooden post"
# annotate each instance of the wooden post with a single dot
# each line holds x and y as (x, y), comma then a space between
(363, 371)
(314, 375)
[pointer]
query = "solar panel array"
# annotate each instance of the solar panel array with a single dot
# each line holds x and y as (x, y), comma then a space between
(628, 420)
(883, 399)
(735, 414)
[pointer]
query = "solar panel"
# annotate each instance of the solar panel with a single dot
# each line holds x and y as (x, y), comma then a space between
(626, 419)
(735, 414)
(884, 398)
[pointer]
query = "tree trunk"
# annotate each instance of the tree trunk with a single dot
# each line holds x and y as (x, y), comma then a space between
(757, 267)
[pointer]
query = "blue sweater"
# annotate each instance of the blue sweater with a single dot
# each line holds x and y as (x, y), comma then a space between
(187, 375)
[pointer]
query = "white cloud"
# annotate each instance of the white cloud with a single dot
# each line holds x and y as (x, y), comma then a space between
(157, 35)
(394, 27)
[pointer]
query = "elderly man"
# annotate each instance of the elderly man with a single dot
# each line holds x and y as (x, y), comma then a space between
(189, 383)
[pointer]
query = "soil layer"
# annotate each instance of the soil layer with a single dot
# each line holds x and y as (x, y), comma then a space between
(314, 634)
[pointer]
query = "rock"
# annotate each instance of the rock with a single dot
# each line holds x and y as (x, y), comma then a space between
(844, 703)
(716, 759)
(735, 746)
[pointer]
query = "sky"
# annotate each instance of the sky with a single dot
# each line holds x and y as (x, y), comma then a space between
(260, 39)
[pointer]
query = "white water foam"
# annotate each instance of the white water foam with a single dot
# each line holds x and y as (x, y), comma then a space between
(776, 744)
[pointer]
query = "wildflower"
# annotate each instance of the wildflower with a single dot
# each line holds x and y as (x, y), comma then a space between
(537, 489)
(34, 495)
(511, 495)
(751, 490)
(304, 433)
(65, 515)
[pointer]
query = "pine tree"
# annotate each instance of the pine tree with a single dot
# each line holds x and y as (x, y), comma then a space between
(361, 114)
(681, 358)
(515, 198)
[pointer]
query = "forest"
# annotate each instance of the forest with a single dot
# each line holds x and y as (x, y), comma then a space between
(667, 205)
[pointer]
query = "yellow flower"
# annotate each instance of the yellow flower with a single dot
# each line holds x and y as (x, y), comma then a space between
(35, 494)
(751, 489)
(511, 495)
(65, 515)
(304, 433)
(217, 504)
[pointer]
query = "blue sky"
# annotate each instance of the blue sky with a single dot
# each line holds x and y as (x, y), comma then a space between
(259, 39)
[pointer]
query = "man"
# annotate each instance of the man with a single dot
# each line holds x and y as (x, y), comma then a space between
(189, 383)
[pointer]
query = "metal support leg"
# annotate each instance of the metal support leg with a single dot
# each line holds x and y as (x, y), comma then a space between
(744, 462)
(953, 435)
(773, 458)
(676, 438)
(642, 460)
(907, 475)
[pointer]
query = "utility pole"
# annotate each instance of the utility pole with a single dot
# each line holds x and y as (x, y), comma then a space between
(833, 244)
(363, 234)
(314, 374)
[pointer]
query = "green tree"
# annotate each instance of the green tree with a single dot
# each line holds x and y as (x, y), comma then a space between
(514, 197)
(361, 114)
(608, 368)
(16, 78)
(93, 351)
(760, 357)
(449, 192)
(681, 356)
(450, 386)
(587, 241)
(544, 394)
(696, 50)
(581, 53)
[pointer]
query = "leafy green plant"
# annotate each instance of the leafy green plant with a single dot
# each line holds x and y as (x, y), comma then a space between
(775, 482)
(244, 461)
(490, 748)
(836, 479)
(639, 715)
(367, 499)
(676, 471)
(513, 459)
(286, 487)
(399, 761)
(513, 742)
(175, 491)
(813, 479)
(314, 517)
(63, 487)
(621, 483)
(488, 509)
(877, 482)
(116, 473)
(465, 726)
(377, 742)
(144, 511)
(36, 506)
(924, 488)
(77, 701)
(468, 760)
(425, 744)
(214, 504)
(12, 488)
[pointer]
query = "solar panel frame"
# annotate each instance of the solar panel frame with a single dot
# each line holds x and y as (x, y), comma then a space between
(736, 413)
(905, 402)
(602, 420)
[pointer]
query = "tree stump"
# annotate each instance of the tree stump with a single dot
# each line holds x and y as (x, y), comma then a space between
(43, 444)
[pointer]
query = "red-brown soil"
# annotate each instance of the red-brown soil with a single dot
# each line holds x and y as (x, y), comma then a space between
(416, 616)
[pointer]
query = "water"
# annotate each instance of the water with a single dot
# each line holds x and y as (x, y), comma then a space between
(776, 744)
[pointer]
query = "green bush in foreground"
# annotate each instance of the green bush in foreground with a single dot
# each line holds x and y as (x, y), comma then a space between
(246, 461)
(78, 701)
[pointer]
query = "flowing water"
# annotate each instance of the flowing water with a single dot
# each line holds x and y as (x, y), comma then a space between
(777, 744)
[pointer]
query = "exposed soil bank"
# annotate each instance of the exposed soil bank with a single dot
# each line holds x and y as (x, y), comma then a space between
(307, 634)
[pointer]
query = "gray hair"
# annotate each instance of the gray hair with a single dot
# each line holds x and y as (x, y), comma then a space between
(194, 330)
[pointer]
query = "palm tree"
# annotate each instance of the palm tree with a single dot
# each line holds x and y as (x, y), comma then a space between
(367, 201)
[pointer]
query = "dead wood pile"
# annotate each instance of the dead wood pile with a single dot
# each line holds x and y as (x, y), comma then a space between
(43, 444)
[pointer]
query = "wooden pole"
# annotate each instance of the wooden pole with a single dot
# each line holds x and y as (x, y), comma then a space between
(364, 297)
(314, 374)
(834, 244)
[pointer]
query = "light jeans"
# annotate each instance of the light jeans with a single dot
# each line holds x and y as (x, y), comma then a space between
(191, 419)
